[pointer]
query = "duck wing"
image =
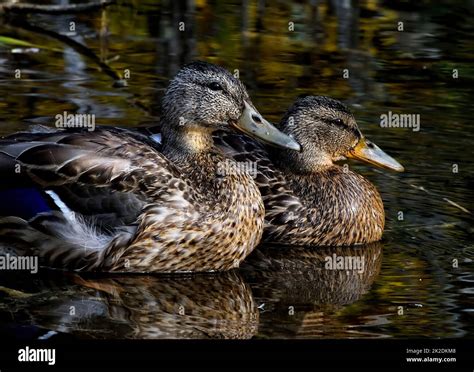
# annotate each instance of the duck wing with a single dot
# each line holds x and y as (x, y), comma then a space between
(280, 202)
(107, 164)
(107, 175)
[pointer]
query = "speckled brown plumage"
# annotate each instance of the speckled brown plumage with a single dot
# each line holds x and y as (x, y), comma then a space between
(309, 199)
(153, 211)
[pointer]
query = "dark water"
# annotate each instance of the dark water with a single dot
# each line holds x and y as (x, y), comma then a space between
(417, 282)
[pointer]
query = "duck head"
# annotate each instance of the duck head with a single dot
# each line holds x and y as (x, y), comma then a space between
(203, 98)
(327, 132)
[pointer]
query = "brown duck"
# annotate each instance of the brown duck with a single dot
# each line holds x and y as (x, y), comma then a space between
(124, 206)
(309, 199)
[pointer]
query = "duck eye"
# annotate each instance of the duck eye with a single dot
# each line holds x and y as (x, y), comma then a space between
(215, 86)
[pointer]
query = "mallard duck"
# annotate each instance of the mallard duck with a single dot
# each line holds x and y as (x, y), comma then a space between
(126, 207)
(309, 199)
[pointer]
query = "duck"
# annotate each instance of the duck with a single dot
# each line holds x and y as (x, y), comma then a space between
(310, 199)
(123, 205)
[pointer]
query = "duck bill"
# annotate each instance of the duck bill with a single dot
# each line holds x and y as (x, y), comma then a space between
(369, 152)
(254, 125)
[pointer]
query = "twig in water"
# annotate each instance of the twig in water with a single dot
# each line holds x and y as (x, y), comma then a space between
(421, 188)
(457, 205)
(78, 47)
(24, 8)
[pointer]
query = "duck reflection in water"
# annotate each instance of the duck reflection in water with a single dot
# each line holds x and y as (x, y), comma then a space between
(277, 293)
(302, 286)
(142, 307)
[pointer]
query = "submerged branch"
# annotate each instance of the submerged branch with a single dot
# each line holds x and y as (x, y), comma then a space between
(78, 47)
(421, 188)
(416, 227)
(14, 293)
(25, 8)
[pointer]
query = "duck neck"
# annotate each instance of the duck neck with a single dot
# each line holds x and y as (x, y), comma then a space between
(189, 142)
(215, 177)
(300, 163)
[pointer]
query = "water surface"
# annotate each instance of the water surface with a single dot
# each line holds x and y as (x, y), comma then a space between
(417, 282)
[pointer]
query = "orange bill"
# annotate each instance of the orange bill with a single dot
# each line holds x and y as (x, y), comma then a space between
(369, 152)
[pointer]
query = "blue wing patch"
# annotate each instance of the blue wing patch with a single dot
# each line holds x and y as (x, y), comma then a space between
(25, 202)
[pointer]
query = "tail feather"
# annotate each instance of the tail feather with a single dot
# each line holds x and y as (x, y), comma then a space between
(57, 241)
